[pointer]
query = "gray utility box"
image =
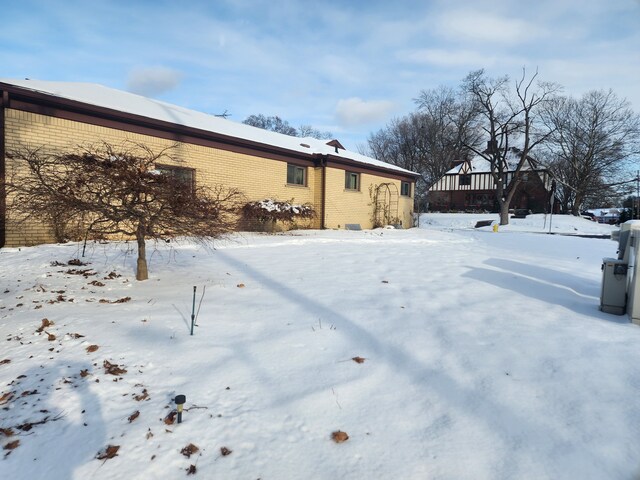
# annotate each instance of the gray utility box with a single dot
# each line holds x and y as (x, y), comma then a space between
(613, 297)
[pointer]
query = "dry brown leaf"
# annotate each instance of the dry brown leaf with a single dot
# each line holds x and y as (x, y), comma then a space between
(7, 432)
(240, 285)
(189, 450)
(12, 445)
(143, 396)
(170, 418)
(358, 359)
(96, 283)
(5, 361)
(76, 262)
(134, 415)
(45, 323)
(339, 437)
(149, 434)
(50, 336)
(92, 348)
(224, 451)
(113, 368)
(122, 300)
(109, 452)
(6, 397)
(75, 335)
(191, 470)
(84, 373)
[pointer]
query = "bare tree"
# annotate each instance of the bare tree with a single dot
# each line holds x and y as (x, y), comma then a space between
(590, 144)
(277, 124)
(309, 131)
(119, 190)
(508, 119)
(428, 141)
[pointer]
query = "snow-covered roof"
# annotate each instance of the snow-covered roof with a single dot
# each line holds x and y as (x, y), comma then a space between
(105, 97)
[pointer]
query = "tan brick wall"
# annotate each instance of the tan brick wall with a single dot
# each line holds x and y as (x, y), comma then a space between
(257, 177)
(349, 206)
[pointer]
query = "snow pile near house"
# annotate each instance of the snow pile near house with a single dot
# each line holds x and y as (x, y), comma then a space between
(414, 354)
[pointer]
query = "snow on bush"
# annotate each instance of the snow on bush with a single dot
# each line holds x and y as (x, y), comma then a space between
(273, 210)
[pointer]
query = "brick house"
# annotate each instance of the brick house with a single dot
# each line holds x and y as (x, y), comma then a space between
(343, 187)
(469, 186)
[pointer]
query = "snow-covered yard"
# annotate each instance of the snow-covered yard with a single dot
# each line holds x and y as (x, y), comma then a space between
(485, 357)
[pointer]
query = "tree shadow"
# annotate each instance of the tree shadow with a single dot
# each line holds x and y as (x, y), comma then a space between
(473, 400)
(547, 285)
(58, 420)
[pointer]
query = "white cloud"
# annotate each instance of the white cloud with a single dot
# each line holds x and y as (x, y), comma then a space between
(355, 111)
(153, 81)
(477, 26)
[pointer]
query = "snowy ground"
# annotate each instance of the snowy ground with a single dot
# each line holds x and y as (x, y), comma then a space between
(485, 357)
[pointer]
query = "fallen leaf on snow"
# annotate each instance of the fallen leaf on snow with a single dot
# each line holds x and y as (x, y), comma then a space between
(50, 336)
(191, 470)
(12, 445)
(224, 451)
(339, 437)
(112, 368)
(358, 359)
(189, 450)
(45, 323)
(6, 360)
(134, 415)
(171, 418)
(240, 285)
(92, 348)
(84, 373)
(7, 432)
(143, 396)
(109, 452)
(6, 397)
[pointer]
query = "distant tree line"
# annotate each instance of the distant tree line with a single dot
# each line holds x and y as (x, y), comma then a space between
(587, 143)
(277, 124)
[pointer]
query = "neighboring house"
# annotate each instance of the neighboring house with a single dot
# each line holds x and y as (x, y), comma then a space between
(469, 186)
(343, 187)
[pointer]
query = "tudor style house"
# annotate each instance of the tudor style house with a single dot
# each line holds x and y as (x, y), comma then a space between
(343, 187)
(469, 186)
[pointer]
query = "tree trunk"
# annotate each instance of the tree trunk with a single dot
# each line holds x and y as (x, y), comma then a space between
(141, 271)
(504, 213)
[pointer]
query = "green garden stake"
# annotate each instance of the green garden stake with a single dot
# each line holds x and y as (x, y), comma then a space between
(193, 310)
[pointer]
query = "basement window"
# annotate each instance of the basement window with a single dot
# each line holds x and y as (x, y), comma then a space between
(296, 175)
(405, 189)
(351, 181)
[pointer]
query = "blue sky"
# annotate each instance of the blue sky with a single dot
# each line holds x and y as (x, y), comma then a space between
(348, 67)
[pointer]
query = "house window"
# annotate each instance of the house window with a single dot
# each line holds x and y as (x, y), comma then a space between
(296, 175)
(405, 189)
(351, 181)
(182, 179)
(465, 179)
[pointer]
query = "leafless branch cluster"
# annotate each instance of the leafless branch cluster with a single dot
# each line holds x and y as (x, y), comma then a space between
(118, 190)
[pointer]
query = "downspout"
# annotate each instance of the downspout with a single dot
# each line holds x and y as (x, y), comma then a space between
(323, 193)
(4, 103)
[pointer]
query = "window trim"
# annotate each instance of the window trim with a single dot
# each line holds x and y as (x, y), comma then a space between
(304, 175)
(402, 185)
(348, 175)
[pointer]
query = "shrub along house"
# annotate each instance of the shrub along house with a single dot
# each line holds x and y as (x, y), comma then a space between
(343, 187)
(470, 186)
